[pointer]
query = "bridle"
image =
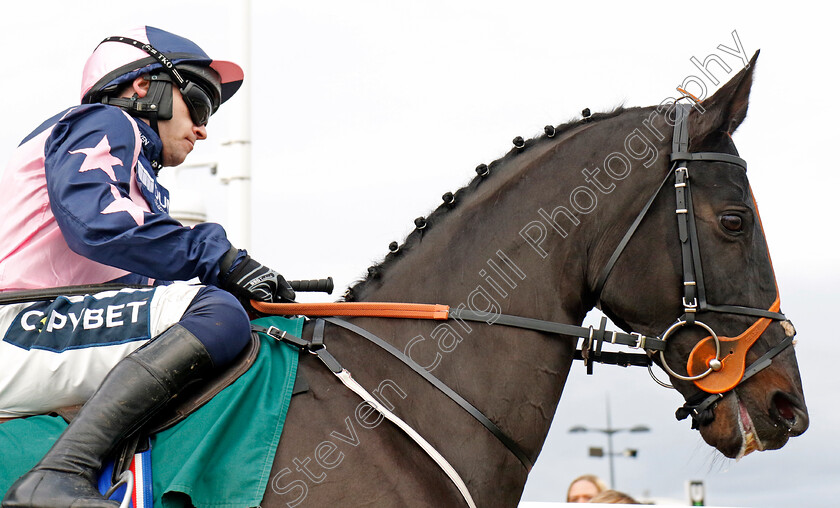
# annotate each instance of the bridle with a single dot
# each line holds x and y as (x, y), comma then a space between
(715, 374)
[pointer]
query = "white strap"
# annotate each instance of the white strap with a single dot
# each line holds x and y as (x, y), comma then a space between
(447, 468)
(127, 479)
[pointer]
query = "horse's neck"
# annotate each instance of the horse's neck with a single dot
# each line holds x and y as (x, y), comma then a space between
(481, 244)
(514, 377)
(477, 257)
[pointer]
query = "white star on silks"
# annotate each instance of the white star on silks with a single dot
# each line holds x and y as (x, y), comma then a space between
(99, 157)
(123, 204)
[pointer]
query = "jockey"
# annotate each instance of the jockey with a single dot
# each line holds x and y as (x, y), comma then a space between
(81, 204)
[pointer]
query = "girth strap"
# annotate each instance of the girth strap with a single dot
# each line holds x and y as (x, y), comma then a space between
(347, 379)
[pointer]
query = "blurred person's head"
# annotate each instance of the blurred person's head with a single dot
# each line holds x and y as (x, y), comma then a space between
(612, 497)
(583, 488)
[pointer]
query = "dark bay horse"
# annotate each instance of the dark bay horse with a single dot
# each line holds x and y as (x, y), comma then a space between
(531, 236)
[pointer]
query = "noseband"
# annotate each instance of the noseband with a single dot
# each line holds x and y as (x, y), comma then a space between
(715, 374)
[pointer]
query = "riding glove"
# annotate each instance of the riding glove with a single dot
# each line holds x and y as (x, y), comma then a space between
(251, 280)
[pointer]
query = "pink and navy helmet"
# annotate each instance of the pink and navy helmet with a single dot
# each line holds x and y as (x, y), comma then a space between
(114, 63)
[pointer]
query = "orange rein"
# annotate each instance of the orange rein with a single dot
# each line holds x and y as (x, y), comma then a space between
(356, 309)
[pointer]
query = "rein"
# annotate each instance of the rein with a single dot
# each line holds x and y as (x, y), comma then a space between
(595, 336)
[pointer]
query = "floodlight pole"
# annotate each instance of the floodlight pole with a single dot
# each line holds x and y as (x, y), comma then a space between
(609, 431)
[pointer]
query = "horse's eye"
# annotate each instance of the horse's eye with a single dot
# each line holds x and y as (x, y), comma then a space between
(732, 223)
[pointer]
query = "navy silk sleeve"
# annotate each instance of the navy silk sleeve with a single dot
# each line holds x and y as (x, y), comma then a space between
(89, 182)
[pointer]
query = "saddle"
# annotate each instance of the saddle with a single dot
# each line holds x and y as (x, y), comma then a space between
(199, 392)
(192, 397)
(189, 400)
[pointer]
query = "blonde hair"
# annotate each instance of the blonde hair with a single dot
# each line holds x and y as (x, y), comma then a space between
(613, 497)
(600, 486)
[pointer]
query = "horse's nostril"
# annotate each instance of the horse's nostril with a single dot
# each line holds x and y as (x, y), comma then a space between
(788, 413)
(784, 407)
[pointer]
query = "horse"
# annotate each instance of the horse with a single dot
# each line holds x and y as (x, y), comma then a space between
(580, 217)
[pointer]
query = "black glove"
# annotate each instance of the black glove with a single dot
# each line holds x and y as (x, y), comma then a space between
(251, 280)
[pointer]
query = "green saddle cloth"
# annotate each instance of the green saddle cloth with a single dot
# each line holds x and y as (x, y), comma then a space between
(220, 456)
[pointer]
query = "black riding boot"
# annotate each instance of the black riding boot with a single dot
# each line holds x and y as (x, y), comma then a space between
(134, 390)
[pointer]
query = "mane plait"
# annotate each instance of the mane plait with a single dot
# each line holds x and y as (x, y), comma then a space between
(452, 200)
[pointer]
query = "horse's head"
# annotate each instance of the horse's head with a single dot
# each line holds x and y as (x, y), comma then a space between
(709, 262)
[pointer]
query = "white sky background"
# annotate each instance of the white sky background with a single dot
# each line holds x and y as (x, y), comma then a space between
(365, 113)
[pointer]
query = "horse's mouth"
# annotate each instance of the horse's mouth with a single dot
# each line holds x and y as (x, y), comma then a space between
(749, 437)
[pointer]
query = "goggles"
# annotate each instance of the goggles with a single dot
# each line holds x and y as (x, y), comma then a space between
(198, 103)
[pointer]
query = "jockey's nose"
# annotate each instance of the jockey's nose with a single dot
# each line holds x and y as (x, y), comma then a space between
(200, 131)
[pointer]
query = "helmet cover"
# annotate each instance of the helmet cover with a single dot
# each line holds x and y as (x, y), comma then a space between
(114, 63)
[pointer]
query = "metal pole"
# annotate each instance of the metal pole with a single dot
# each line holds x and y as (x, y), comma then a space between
(235, 171)
(610, 431)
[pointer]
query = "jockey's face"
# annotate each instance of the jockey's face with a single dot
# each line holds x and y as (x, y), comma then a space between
(178, 134)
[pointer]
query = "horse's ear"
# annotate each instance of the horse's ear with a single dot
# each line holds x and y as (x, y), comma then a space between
(726, 109)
